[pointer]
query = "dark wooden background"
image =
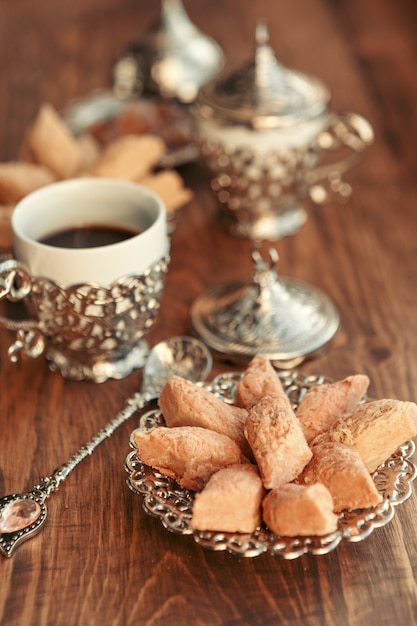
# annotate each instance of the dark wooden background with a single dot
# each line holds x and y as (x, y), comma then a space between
(100, 559)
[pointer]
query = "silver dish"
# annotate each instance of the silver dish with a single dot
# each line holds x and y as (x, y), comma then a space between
(165, 499)
(99, 111)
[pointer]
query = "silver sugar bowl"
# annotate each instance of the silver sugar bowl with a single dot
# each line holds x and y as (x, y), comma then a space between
(270, 143)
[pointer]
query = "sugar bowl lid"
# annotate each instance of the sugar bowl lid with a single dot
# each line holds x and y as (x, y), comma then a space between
(283, 319)
(263, 93)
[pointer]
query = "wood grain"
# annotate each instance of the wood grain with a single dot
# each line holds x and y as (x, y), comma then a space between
(100, 558)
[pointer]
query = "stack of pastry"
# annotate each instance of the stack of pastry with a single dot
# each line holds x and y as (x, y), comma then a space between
(50, 152)
(259, 460)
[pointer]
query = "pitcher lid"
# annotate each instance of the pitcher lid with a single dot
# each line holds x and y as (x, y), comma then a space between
(263, 93)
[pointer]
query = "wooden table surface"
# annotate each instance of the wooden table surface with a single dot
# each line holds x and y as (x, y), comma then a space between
(100, 559)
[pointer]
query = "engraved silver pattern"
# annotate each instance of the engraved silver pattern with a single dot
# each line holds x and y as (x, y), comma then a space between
(88, 332)
(283, 319)
(164, 499)
(261, 195)
(265, 134)
(8, 541)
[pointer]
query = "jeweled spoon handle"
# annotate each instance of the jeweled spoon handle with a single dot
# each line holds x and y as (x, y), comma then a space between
(23, 514)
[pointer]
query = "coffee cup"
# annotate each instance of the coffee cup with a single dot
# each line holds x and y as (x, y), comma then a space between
(89, 259)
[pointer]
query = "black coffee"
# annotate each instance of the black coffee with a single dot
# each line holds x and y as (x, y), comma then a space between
(91, 236)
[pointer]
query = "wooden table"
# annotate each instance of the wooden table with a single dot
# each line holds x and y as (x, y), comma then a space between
(100, 559)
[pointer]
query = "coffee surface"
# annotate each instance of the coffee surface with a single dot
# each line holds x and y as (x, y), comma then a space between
(88, 236)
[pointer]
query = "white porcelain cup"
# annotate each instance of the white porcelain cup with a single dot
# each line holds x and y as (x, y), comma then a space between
(87, 201)
(90, 307)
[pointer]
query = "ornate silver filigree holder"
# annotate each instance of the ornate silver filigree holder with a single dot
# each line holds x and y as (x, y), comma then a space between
(164, 499)
(88, 332)
(270, 144)
(281, 318)
(174, 58)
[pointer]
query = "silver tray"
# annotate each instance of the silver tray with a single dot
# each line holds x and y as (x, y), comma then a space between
(168, 119)
(172, 504)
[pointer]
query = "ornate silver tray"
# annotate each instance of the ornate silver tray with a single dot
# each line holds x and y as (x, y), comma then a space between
(165, 499)
(107, 116)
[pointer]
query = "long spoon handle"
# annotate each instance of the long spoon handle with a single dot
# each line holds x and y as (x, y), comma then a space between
(22, 515)
(134, 403)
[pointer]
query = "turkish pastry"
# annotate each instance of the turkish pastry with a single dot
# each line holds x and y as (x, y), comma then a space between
(258, 380)
(50, 152)
(230, 502)
(207, 446)
(129, 157)
(340, 468)
(293, 510)
(375, 429)
(169, 186)
(19, 178)
(189, 455)
(90, 152)
(324, 404)
(183, 403)
(277, 441)
(51, 143)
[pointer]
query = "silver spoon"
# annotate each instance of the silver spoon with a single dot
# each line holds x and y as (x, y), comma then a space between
(22, 515)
